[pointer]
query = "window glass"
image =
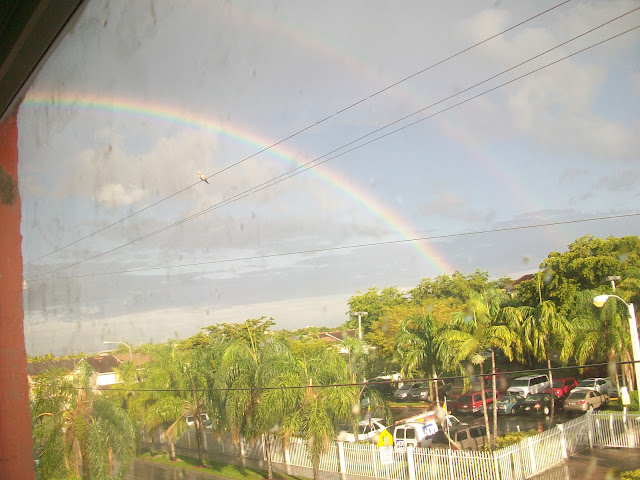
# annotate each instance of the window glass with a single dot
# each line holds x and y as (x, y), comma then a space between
(410, 433)
(461, 436)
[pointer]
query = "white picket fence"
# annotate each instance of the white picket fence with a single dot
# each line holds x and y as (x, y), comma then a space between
(530, 457)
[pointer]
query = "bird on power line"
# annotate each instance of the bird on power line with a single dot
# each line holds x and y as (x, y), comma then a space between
(202, 177)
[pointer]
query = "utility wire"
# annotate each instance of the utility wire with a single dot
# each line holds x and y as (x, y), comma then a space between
(314, 163)
(349, 247)
(353, 384)
(318, 122)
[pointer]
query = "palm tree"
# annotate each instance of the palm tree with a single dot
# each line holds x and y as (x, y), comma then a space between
(416, 347)
(79, 431)
(602, 334)
(175, 380)
(544, 329)
(480, 328)
(323, 409)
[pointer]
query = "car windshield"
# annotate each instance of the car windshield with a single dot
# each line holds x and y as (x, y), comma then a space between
(558, 384)
(464, 398)
(587, 383)
(575, 395)
(536, 397)
(509, 398)
(520, 383)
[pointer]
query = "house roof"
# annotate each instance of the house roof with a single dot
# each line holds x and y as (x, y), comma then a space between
(101, 364)
(337, 335)
(527, 276)
(37, 368)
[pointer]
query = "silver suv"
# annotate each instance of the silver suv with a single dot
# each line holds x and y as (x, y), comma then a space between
(525, 386)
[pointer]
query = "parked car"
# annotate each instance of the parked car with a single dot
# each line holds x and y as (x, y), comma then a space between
(464, 437)
(405, 391)
(581, 400)
(602, 385)
(538, 403)
(615, 385)
(507, 404)
(417, 434)
(422, 393)
(529, 384)
(471, 402)
(366, 431)
(562, 386)
(206, 422)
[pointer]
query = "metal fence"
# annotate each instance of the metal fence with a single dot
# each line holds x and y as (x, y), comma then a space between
(525, 459)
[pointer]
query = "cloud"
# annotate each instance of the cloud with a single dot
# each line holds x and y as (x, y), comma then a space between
(117, 195)
(450, 205)
(555, 108)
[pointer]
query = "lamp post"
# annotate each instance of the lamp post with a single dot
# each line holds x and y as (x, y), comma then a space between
(599, 301)
(122, 343)
(359, 322)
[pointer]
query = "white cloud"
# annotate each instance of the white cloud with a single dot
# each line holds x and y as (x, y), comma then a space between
(116, 195)
(556, 108)
(450, 205)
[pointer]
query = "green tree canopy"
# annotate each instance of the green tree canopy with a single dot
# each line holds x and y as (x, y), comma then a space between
(584, 266)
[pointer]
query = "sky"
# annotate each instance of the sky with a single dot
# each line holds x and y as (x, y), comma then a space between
(138, 97)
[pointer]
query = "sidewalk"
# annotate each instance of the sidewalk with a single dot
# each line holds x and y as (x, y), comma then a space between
(596, 464)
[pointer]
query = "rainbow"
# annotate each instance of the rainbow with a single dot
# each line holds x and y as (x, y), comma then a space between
(135, 107)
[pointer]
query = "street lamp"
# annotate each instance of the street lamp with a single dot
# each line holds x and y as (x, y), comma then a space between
(122, 343)
(359, 322)
(599, 301)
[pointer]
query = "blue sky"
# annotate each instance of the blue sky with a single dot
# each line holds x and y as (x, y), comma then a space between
(558, 145)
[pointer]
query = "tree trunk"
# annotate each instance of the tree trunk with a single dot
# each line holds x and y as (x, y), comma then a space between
(172, 451)
(495, 396)
(484, 404)
(435, 382)
(267, 448)
(553, 395)
(198, 424)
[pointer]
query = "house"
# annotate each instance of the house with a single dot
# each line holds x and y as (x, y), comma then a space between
(104, 367)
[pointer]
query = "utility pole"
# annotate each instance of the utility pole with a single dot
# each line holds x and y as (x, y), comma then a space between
(613, 279)
(359, 314)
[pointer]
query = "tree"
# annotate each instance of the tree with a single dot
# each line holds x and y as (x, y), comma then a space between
(416, 347)
(543, 329)
(472, 332)
(458, 286)
(602, 334)
(175, 380)
(323, 409)
(77, 430)
(373, 302)
(584, 266)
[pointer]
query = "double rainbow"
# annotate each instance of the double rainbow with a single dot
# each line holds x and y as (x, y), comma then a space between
(158, 112)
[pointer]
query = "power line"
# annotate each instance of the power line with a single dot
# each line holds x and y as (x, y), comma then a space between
(354, 384)
(349, 247)
(318, 122)
(314, 163)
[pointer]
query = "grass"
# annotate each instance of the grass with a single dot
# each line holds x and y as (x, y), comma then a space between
(216, 468)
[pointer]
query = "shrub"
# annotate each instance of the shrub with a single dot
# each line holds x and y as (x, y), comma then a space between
(633, 407)
(512, 438)
(631, 475)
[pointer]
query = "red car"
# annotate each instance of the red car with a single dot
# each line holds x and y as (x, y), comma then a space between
(471, 402)
(562, 386)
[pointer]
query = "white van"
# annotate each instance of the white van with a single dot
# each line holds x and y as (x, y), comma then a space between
(525, 386)
(417, 434)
